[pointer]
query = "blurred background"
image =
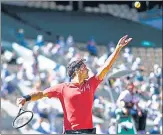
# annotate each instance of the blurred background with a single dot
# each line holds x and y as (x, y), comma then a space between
(39, 38)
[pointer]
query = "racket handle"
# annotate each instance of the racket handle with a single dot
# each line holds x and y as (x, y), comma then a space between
(20, 106)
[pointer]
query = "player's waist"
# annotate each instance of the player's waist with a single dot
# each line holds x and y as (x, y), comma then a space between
(81, 131)
(78, 125)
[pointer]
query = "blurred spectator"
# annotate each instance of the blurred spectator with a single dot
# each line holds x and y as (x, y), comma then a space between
(128, 56)
(158, 120)
(57, 39)
(9, 57)
(158, 74)
(139, 76)
(152, 78)
(13, 58)
(153, 104)
(2, 50)
(35, 64)
(91, 47)
(99, 129)
(128, 104)
(110, 48)
(154, 89)
(155, 130)
(102, 59)
(22, 74)
(21, 39)
(118, 85)
(8, 81)
(61, 41)
(99, 107)
(56, 49)
(40, 41)
(43, 122)
(4, 71)
(70, 53)
(136, 64)
(70, 41)
(47, 49)
(51, 79)
(112, 127)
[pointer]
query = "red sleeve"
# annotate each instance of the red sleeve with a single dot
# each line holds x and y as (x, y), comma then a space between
(94, 82)
(55, 91)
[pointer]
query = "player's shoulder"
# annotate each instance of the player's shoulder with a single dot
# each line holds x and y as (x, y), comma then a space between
(66, 84)
(59, 85)
(92, 77)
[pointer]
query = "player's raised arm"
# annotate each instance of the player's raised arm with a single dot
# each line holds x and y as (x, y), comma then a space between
(109, 62)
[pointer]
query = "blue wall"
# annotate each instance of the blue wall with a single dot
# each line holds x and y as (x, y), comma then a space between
(82, 26)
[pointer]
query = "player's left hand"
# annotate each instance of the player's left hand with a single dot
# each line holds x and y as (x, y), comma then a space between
(124, 41)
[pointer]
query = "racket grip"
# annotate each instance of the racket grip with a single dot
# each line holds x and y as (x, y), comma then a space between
(20, 106)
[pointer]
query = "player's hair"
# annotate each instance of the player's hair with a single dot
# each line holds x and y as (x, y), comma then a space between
(73, 66)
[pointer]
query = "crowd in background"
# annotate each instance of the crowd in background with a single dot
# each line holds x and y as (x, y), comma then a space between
(148, 86)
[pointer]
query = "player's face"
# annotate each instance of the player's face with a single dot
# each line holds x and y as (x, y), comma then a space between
(84, 71)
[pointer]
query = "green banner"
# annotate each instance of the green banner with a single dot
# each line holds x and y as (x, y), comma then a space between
(126, 125)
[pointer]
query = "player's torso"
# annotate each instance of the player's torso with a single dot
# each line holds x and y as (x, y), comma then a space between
(77, 102)
(78, 97)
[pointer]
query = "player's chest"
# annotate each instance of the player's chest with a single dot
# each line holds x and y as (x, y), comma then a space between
(77, 93)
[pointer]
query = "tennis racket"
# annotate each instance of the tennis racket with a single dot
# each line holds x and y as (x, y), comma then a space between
(23, 118)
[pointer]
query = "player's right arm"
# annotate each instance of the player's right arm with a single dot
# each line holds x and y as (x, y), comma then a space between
(34, 96)
(54, 91)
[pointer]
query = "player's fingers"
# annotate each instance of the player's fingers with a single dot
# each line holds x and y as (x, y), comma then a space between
(20, 101)
(124, 38)
(17, 102)
(129, 40)
(20, 106)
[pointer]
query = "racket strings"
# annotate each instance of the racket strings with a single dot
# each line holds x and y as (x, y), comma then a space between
(23, 119)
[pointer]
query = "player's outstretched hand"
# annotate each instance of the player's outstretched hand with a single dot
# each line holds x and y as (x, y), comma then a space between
(124, 41)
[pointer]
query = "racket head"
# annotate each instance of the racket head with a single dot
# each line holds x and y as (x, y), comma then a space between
(22, 119)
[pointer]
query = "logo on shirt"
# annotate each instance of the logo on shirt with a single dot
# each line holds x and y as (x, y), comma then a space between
(86, 87)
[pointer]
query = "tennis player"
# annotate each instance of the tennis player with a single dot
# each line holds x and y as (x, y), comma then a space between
(77, 96)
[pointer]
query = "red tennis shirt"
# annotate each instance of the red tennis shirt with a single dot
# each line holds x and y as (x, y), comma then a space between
(77, 102)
